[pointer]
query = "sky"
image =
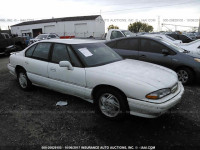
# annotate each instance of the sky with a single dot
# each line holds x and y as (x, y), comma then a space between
(116, 12)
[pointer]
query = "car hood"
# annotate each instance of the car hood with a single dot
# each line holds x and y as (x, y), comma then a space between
(134, 70)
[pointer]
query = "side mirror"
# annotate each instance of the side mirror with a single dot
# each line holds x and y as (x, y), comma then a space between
(66, 64)
(165, 51)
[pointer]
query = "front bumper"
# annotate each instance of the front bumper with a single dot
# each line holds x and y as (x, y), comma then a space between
(153, 110)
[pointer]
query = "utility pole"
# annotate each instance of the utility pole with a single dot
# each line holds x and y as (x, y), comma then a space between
(199, 25)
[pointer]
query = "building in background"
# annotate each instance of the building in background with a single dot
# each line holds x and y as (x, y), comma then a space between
(68, 27)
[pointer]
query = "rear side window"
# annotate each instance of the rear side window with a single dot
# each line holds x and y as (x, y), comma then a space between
(29, 52)
(60, 53)
(42, 51)
(151, 46)
(128, 44)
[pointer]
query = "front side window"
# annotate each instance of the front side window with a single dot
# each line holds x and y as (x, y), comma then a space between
(128, 44)
(60, 53)
(151, 46)
(116, 34)
(42, 51)
(29, 52)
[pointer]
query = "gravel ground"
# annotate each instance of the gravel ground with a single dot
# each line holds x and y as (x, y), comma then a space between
(30, 120)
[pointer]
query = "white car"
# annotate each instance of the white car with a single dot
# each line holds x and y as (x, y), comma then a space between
(165, 37)
(94, 72)
(43, 37)
(192, 47)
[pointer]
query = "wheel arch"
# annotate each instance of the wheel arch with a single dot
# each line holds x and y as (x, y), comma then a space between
(17, 68)
(183, 66)
(96, 88)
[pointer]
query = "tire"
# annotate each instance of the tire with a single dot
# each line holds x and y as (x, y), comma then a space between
(111, 104)
(185, 75)
(23, 80)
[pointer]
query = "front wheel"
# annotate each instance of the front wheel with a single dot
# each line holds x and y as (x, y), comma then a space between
(185, 75)
(23, 80)
(111, 104)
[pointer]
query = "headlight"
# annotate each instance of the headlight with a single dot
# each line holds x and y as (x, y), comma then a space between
(197, 59)
(158, 94)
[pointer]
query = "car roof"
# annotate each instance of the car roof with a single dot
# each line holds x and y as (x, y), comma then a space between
(73, 41)
(135, 37)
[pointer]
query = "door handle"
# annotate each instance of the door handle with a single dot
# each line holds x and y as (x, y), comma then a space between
(26, 62)
(53, 69)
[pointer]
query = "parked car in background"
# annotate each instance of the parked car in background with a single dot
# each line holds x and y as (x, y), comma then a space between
(197, 35)
(9, 44)
(117, 33)
(94, 72)
(192, 47)
(182, 37)
(160, 52)
(43, 37)
(191, 35)
(164, 37)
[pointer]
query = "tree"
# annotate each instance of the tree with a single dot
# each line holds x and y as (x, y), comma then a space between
(140, 27)
(112, 27)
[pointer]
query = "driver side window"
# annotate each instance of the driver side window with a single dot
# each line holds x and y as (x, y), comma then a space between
(60, 53)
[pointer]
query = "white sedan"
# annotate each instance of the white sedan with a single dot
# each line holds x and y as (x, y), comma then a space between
(94, 72)
(164, 37)
(192, 47)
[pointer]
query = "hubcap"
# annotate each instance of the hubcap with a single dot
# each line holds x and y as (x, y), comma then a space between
(22, 80)
(182, 76)
(109, 105)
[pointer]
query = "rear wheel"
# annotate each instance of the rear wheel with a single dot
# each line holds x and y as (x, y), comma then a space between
(185, 75)
(23, 80)
(111, 104)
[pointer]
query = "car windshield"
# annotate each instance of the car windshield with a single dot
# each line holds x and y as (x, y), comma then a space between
(96, 54)
(127, 33)
(179, 49)
(169, 37)
(41, 36)
(193, 42)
